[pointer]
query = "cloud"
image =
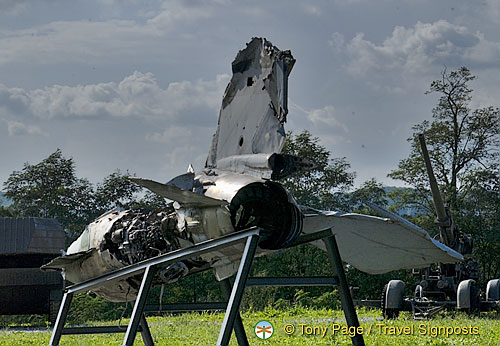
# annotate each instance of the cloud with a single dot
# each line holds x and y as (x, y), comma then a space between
(90, 41)
(12, 7)
(411, 52)
(137, 95)
(325, 116)
(311, 9)
(491, 10)
(172, 134)
(16, 128)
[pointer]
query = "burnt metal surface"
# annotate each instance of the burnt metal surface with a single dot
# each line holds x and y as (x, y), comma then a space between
(254, 106)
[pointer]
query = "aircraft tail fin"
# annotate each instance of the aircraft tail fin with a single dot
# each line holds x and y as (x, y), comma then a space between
(254, 106)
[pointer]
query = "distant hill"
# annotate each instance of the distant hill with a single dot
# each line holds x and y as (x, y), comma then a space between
(4, 201)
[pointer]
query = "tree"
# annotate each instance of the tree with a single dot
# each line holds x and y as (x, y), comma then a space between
(51, 189)
(323, 187)
(463, 146)
(370, 191)
(116, 190)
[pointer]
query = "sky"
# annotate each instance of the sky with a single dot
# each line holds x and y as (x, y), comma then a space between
(137, 85)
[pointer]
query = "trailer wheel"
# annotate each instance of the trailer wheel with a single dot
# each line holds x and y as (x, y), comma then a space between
(392, 299)
(493, 290)
(419, 292)
(468, 299)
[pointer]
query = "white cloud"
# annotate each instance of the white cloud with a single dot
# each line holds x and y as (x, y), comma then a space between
(173, 134)
(410, 53)
(16, 128)
(137, 95)
(325, 116)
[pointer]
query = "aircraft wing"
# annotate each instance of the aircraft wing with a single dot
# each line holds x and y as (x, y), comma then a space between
(378, 245)
(184, 197)
(254, 106)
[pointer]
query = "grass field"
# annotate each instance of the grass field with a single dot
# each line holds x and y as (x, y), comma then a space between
(309, 325)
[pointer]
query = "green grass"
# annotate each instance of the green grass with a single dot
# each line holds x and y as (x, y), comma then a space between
(203, 329)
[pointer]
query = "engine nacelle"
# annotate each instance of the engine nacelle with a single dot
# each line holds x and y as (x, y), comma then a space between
(257, 202)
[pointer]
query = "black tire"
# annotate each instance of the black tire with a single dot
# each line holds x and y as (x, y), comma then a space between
(388, 314)
(475, 300)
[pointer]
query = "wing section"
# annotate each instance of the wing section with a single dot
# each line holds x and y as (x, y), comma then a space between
(184, 197)
(254, 106)
(378, 245)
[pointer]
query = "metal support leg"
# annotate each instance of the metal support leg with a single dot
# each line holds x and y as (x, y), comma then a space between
(233, 304)
(138, 311)
(145, 332)
(239, 330)
(345, 295)
(61, 319)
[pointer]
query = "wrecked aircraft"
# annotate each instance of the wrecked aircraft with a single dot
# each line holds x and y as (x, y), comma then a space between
(239, 188)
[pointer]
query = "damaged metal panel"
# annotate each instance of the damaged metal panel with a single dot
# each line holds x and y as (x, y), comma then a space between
(254, 106)
(377, 245)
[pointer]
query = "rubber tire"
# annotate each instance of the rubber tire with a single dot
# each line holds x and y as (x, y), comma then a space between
(388, 314)
(475, 300)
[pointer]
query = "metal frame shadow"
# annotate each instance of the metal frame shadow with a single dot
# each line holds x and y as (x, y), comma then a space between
(232, 319)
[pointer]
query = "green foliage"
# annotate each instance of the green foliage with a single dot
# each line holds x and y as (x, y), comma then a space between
(6, 212)
(463, 144)
(463, 147)
(116, 191)
(51, 189)
(370, 191)
(323, 187)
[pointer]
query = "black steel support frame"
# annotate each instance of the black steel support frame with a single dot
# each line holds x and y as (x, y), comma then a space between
(232, 319)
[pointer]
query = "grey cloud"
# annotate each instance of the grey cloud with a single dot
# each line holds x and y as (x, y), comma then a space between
(137, 95)
(12, 6)
(16, 128)
(87, 41)
(409, 52)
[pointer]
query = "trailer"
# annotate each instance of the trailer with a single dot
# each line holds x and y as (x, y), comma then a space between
(27, 243)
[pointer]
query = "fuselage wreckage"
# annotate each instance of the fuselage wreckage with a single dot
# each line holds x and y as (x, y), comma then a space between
(239, 188)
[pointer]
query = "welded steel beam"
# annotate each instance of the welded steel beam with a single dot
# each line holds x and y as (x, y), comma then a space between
(61, 319)
(137, 317)
(171, 257)
(344, 292)
(237, 291)
(239, 330)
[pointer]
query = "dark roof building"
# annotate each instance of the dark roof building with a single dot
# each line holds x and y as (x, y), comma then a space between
(22, 235)
(27, 243)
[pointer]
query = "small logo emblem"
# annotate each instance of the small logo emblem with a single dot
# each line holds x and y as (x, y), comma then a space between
(264, 330)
